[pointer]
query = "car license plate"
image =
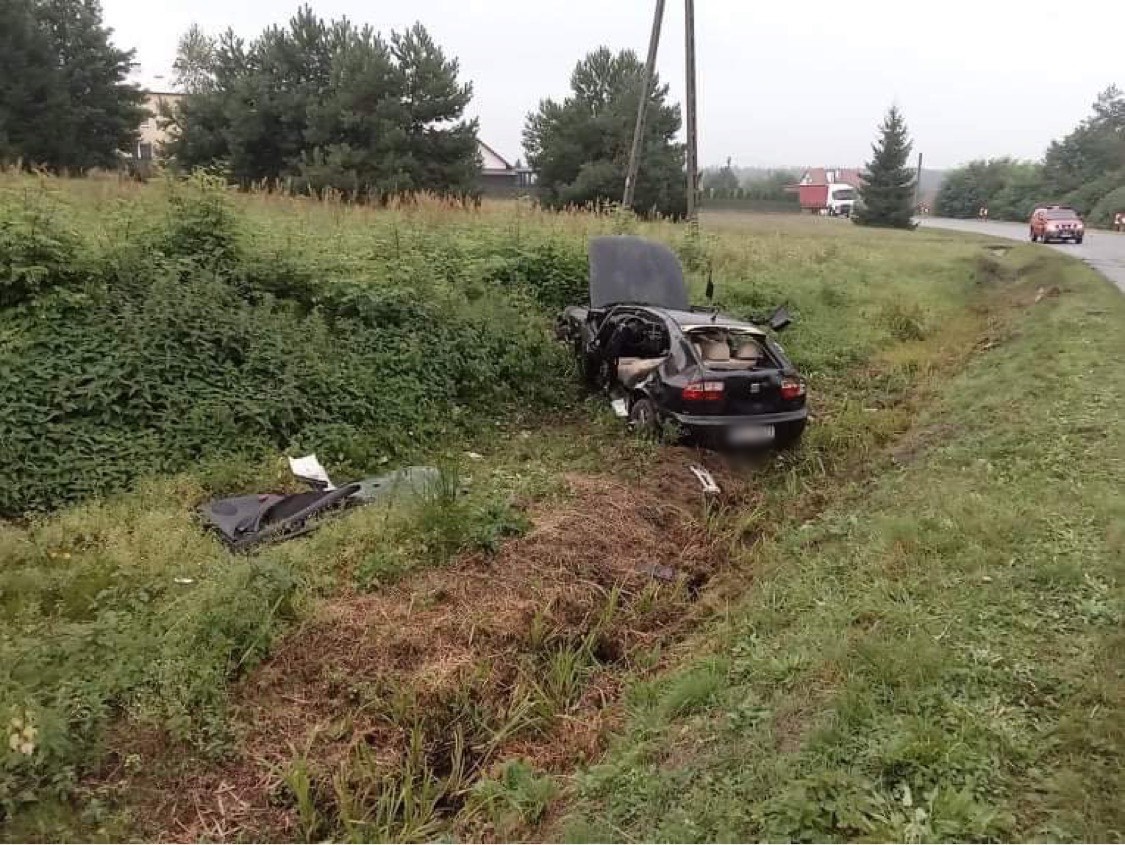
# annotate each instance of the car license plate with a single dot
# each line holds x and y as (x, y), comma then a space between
(752, 434)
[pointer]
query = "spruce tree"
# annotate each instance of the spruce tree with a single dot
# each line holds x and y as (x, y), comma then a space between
(888, 189)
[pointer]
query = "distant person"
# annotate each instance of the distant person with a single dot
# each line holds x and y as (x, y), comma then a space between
(1119, 221)
(983, 213)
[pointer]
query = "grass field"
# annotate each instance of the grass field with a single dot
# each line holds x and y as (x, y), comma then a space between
(907, 629)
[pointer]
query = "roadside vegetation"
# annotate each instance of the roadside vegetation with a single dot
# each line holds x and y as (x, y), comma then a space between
(1085, 169)
(911, 611)
(935, 655)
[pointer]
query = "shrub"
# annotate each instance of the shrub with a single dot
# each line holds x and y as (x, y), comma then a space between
(38, 248)
(554, 272)
(201, 226)
(205, 350)
(1113, 202)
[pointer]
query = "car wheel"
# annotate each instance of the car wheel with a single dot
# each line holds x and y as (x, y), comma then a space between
(643, 419)
(1078, 240)
(787, 435)
(1033, 238)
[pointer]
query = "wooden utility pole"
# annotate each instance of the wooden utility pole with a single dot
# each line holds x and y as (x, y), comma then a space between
(692, 132)
(918, 183)
(642, 107)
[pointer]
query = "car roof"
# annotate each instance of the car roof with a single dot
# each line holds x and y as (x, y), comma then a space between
(691, 320)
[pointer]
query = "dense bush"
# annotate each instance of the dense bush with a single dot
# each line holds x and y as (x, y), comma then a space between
(201, 351)
(554, 273)
(38, 250)
(1109, 205)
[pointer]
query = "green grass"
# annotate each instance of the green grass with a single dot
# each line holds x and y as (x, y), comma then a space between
(888, 630)
(938, 654)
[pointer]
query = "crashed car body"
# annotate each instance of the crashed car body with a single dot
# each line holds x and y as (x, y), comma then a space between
(718, 379)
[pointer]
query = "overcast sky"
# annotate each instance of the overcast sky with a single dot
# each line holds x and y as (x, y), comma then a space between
(780, 83)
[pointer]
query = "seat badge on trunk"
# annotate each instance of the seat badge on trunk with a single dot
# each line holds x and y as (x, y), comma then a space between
(755, 387)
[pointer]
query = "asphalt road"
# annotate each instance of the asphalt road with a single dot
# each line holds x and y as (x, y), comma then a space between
(1104, 251)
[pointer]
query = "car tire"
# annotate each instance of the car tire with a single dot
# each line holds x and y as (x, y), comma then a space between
(1033, 238)
(1078, 240)
(787, 435)
(643, 418)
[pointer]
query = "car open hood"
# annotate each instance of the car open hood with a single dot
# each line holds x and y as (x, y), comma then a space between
(626, 269)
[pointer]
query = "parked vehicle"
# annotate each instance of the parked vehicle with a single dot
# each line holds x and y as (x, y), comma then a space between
(717, 379)
(1057, 223)
(836, 199)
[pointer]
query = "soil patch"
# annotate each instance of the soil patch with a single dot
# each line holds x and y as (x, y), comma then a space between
(452, 669)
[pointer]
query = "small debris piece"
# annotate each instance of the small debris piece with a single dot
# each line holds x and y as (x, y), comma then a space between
(309, 469)
(476, 456)
(1044, 292)
(706, 481)
(619, 408)
(408, 481)
(661, 573)
(184, 580)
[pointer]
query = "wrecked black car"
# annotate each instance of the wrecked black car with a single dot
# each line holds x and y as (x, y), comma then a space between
(716, 379)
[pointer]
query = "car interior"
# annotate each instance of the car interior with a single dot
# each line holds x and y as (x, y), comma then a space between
(728, 350)
(644, 349)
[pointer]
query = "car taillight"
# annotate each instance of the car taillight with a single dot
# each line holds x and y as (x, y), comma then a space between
(703, 391)
(792, 388)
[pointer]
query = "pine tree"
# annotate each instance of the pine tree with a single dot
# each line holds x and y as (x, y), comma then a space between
(888, 189)
(580, 147)
(327, 105)
(64, 101)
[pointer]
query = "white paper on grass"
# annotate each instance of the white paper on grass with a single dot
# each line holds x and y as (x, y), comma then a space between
(309, 469)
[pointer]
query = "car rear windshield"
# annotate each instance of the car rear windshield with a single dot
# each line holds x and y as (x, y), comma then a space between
(1061, 214)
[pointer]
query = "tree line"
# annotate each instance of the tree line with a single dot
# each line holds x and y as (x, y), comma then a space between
(760, 184)
(331, 105)
(1084, 169)
(319, 105)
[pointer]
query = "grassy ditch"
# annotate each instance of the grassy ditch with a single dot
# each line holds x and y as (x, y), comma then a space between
(408, 672)
(935, 655)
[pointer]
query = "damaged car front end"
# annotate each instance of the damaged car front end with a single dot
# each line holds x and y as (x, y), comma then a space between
(722, 381)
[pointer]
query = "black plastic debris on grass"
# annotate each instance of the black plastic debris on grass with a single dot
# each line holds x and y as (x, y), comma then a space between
(244, 522)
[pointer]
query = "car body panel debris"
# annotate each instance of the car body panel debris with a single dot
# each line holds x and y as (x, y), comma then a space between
(246, 521)
(722, 380)
(408, 481)
(243, 522)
